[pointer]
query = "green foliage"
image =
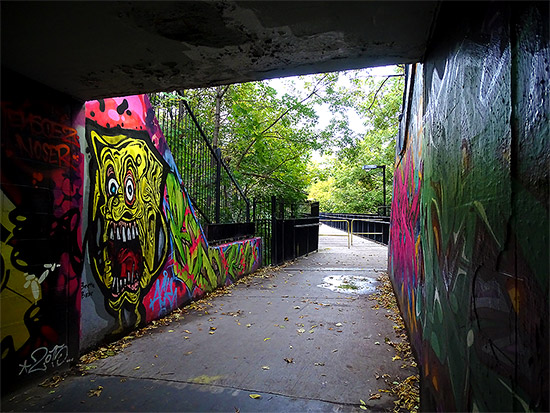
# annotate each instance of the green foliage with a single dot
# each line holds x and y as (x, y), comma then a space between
(267, 139)
(341, 185)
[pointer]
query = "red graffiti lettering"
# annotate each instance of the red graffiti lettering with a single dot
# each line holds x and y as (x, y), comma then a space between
(58, 155)
(41, 127)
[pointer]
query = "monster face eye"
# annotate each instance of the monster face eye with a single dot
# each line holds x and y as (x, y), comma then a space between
(129, 188)
(112, 183)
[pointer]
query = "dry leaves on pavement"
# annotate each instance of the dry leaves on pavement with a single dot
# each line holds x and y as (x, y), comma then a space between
(407, 390)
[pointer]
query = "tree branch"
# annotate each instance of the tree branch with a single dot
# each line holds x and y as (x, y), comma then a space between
(267, 177)
(278, 119)
(380, 88)
(285, 161)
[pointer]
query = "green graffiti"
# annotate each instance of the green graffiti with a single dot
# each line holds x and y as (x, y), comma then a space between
(192, 261)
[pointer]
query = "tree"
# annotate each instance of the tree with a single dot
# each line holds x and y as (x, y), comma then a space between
(267, 138)
(343, 185)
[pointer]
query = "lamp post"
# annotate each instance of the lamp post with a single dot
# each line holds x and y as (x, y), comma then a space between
(383, 167)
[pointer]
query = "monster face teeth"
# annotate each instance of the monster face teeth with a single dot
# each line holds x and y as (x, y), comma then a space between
(123, 231)
(120, 283)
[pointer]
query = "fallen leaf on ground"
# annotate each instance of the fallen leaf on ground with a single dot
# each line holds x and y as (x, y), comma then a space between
(267, 338)
(55, 380)
(254, 396)
(265, 367)
(374, 396)
(95, 392)
(289, 360)
(137, 368)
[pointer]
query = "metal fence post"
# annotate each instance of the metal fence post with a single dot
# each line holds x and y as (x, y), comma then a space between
(274, 232)
(253, 210)
(218, 184)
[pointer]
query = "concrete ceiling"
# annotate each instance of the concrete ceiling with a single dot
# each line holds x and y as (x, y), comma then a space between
(100, 49)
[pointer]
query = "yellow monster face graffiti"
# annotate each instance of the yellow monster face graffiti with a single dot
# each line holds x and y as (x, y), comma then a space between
(130, 230)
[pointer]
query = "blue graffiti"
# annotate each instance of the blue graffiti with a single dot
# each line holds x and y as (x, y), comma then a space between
(166, 294)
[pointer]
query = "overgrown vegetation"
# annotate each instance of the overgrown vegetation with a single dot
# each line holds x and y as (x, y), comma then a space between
(268, 136)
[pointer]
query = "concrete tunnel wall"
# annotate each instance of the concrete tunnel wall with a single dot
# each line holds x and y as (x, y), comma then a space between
(468, 253)
(98, 237)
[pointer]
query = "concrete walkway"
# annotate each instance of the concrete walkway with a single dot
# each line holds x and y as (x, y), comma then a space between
(301, 337)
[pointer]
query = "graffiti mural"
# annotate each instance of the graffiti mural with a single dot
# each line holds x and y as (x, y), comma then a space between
(472, 284)
(127, 229)
(41, 247)
(147, 251)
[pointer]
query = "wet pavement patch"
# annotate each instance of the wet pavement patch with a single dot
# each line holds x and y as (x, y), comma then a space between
(350, 284)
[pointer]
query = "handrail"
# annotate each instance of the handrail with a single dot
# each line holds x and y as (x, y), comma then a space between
(338, 235)
(365, 233)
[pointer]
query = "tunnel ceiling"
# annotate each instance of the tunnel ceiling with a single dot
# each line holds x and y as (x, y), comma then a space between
(99, 49)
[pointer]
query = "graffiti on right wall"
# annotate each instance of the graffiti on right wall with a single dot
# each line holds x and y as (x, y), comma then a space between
(471, 279)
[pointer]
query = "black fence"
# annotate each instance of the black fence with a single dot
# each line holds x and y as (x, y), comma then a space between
(288, 230)
(373, 227)
(215, 193)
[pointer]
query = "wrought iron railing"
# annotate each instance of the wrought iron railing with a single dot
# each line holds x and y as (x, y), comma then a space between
(216, 195)
(288, 229)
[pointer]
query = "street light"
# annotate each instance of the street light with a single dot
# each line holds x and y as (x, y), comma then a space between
(369, 167)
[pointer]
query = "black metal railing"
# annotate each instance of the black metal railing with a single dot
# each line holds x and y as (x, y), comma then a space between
(216, 195)
(289, 230)
(373, 227)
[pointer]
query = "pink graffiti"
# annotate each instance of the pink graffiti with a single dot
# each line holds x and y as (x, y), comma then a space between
(126, 112)
(166, 294)
(405, 213)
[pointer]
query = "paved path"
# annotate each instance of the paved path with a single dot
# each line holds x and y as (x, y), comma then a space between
(286, 336)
